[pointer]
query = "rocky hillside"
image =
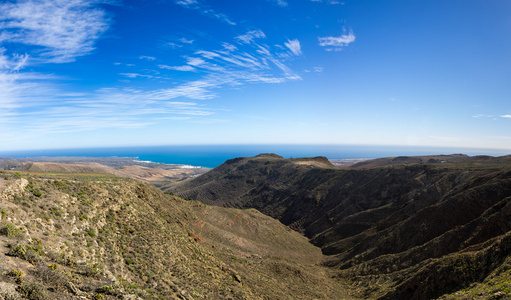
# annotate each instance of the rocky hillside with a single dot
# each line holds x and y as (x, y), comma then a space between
(98, 236)
(399, 228)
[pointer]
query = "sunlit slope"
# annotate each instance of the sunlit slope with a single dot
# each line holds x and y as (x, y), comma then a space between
(106, 237)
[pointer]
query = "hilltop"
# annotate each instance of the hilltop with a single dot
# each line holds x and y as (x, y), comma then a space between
(399, 228)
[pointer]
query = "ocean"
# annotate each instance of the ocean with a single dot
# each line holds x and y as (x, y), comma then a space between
(210, 156)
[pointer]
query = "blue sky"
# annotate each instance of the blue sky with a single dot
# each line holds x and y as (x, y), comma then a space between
(90, 73)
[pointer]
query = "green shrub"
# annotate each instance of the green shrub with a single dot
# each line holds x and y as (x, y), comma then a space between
(34, 291)
(32, 256)
(113, 290)
(37, 193)
(106, 289)
(88, 271)
(18, 251)
(8, 229)
(17, 274)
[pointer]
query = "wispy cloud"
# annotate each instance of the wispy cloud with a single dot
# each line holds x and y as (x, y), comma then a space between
(232, 66)
(318, 69)
(177, 68)
(333, 2)
(281, 3)
(506, 116)
(294, 46)
(135, 75)
(42, 106)
(253, 63)
(483, 116)
(104, 108)
(250, 36)
(187, 2)
(61, 30)
(186, 41)
(50, 31)
(229, 47)
(205, 10)
(333, 43)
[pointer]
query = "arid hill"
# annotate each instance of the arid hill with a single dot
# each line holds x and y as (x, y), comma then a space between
(86, 236)
(392, 228)
(155, 173)
(400, 228)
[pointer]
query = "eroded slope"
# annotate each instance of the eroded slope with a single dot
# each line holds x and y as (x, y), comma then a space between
(403, 231)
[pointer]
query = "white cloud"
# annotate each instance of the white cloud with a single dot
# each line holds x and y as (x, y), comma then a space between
(135, 75)
(249, 37)
(208, 54)
(229, 47)
(61, 30)
(187, 2)
(186, 41)
(333, 43)
(333, 2)
(195, 61)
(17, 88)
(505, 116)
(244, 59)
(219, 16)
(174, 45)
(177, 68)
(104, 108)
(24, 97)
(147, 57)
(294, 46)
(281, 3)
(199, 90)
(195, 5)
(249, 62)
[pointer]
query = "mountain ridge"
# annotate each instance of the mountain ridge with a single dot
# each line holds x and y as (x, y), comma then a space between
(394, 218)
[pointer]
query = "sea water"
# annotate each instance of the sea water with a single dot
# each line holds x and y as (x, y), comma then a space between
(211, 156)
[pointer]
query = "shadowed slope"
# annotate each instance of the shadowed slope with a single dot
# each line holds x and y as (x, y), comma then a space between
(395, 224)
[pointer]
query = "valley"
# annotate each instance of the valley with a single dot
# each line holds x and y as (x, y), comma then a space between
(260, 227)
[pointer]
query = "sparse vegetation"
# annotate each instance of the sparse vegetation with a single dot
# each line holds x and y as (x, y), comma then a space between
(9, 229)
(81, 235)
(34, 291)
(17, 275)
(105, 237)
